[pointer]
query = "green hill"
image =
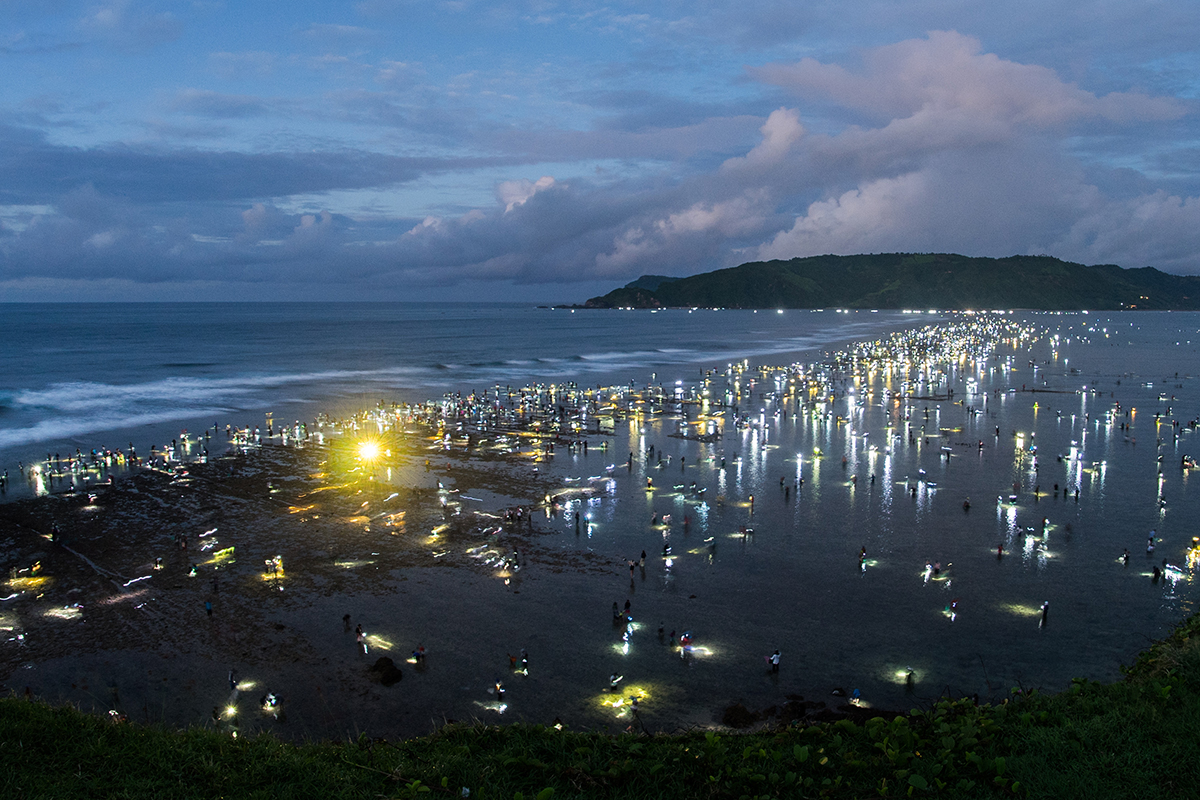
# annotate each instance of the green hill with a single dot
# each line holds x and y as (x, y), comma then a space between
(914, 280)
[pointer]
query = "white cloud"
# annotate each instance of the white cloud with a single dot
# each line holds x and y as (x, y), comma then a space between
(968, 154)
(515, 193)
(780, 133)
(681, 237)
(1157, 229)
(102, 239)
(735, 217)
(948, 75)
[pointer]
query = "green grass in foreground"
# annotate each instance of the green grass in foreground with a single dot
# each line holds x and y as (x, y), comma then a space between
(1139, 737)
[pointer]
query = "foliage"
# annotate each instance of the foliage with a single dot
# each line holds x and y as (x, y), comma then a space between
(915, 281)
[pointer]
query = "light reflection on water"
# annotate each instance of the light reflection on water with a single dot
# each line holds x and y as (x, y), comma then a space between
(977, 627)
(796, 583)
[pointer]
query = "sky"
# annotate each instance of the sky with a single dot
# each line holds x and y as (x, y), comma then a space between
(552, 151)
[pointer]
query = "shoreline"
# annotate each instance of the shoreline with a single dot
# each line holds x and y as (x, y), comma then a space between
(316, 507)
(216, 481)
(58, 405)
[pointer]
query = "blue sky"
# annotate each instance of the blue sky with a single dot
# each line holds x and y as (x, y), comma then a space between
(551, 151)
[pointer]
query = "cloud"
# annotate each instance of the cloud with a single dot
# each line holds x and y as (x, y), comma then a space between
(685, 237)
(967, 154)
(645, 110)
(400, 74)
(130, 26)
(948, 76)
(780, 133)
(263, 223)
(926, 144)
(713, 135)
(1156, 229)
(37, 171)
(975, 204)
(514, 193)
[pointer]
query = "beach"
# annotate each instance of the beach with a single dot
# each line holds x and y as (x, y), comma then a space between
(984, 474)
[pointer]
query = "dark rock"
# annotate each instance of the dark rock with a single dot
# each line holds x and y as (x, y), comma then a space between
(738, 716)
(794, 711)
(385, 671)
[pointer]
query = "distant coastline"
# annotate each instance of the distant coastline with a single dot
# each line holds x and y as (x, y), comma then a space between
(896, 281)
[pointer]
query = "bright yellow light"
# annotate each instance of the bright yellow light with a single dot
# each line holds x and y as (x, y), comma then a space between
(221, 556)
(29, 584)
(619, 698)
(368, 450)
(379, 642)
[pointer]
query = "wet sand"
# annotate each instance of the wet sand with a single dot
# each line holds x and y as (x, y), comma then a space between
(95, 620)
(98, 625)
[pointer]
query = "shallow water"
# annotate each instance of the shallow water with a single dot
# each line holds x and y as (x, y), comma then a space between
(105, 375)
(795, 582)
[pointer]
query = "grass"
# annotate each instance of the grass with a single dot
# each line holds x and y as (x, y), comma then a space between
(1138, 737)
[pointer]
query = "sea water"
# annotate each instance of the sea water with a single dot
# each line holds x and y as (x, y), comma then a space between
(105, 375)
(745, 577)
(1061, 481)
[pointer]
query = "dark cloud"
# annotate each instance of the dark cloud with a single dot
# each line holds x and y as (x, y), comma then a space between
(33, 170)
(719, 135)
(640, 110)
(936, 142)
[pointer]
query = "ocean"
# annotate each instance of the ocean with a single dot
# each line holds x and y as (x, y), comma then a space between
(1036, 487)
(104, 375)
